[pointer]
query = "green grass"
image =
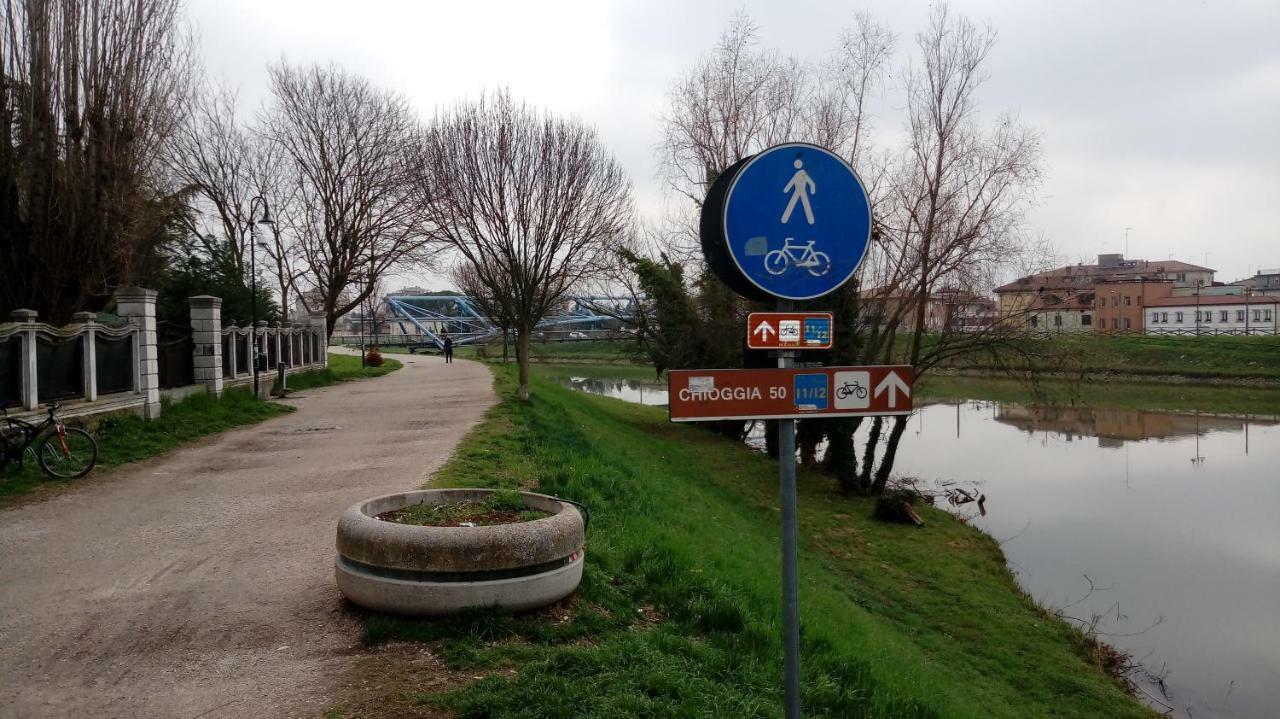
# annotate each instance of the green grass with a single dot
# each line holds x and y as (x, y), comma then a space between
(501, 507)
(125, 437)
(677, 615)
(342, 368)
(563, 370)
(1204, 357)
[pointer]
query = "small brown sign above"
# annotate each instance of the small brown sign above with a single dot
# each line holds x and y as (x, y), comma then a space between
(789, 330)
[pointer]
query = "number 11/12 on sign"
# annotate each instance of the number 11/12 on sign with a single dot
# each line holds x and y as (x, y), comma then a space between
(793, 392)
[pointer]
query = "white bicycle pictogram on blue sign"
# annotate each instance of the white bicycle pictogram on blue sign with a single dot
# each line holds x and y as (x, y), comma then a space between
(800, 256)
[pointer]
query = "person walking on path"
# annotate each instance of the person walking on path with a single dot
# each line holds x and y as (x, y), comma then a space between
(448, 349)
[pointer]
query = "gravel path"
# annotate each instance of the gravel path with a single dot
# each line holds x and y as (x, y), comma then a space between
(200, 584)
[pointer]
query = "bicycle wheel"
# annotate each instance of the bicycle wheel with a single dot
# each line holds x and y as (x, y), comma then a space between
(775, 263)
(821, 264)
(68, 456)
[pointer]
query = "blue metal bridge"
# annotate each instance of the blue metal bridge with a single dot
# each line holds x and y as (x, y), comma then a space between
(431, 315)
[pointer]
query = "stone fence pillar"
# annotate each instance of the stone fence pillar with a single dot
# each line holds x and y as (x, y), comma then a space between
(230, 361)
(320, 332)
(30, 373)
(275, 340)
(89, 354)
(206, 337)
(139, 306)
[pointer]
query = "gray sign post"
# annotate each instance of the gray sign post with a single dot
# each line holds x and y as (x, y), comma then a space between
(790, 577)
(768, 232)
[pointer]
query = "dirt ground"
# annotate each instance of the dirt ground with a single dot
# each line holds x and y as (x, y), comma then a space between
(200, 584)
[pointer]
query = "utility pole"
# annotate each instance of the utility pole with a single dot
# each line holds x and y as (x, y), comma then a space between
(1126, 242)
(1199, 284)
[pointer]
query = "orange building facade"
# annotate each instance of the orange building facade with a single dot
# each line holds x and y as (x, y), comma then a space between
(1119, 304)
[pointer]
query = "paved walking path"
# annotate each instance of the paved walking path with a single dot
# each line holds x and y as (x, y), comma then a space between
(200, 584)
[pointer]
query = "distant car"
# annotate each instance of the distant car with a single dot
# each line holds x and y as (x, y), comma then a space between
(577, 335)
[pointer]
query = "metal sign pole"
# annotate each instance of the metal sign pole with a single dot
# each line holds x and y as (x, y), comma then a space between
(790, 583)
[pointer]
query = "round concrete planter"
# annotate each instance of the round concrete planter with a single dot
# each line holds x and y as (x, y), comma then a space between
(429, 571)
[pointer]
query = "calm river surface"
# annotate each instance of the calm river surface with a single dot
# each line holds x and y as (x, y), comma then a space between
(1174, 517)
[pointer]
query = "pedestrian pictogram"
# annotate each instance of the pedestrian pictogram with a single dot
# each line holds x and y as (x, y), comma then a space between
(800, 187)
(789, 330)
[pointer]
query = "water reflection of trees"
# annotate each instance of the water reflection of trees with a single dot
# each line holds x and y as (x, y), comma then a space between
(625, 389)
(1113, 427)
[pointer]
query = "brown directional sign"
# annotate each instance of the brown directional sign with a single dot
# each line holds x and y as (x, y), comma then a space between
(704, 395)
(789, 330)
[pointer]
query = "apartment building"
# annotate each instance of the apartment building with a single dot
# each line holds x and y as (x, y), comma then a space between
(1252, 314)
(1070, 298)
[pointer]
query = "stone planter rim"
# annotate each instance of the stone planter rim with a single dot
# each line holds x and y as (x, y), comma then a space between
(364, 538)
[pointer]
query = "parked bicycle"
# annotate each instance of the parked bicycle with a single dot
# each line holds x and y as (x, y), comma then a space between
(851, 388)
(61, 451)
(803, 256)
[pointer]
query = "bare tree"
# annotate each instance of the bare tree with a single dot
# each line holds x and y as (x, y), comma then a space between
(947, 205)
(210, 155)
(953, 211)
(530, 202)
(356, 209)
(88, 93)
(742, 98)
(272, 177)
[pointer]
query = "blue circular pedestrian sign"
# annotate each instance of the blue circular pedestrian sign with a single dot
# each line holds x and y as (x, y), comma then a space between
(796, 222)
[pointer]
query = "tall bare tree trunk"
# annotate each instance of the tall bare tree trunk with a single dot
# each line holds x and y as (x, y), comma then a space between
(505, 339)
(869, 457)
(842, 454)
(890, 455)
(522, 361)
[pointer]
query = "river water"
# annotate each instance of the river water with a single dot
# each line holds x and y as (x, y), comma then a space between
(1164, 525)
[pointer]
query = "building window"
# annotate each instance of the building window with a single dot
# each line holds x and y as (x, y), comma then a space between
(1127, 323)
(1266, 315)
(1155, 317)
(1257, 315)
(1115, 301)
(1115, 324)
(1182, 277)
(1239, 315)
(1222, 315)
(1086, 320)
(1128, 301)
(1057, 320)
(1164, 317)
(1035, 321)
(1177, 317)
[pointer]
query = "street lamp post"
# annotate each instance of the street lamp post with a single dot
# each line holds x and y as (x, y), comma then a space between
(258, 355)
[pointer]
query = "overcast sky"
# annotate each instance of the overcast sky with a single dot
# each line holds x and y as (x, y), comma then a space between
(1159, 116)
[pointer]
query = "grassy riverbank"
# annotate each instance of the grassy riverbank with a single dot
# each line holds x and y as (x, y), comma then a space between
(1205, 357)
(1105, 394)
(125, 437)
(678, 612)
